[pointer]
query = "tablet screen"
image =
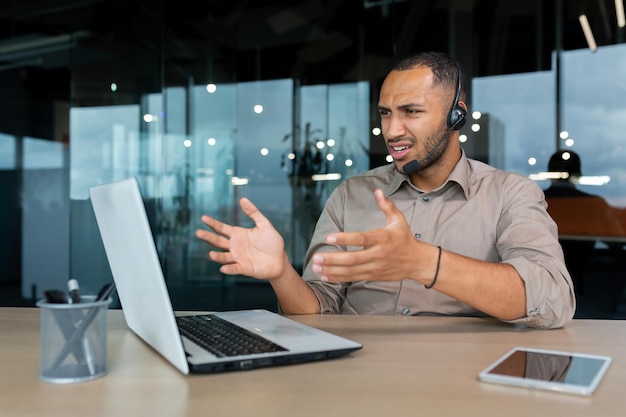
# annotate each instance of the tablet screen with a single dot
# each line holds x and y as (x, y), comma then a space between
(560, 371)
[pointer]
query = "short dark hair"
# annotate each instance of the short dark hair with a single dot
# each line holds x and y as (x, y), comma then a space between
(565, 161)
(444, 68)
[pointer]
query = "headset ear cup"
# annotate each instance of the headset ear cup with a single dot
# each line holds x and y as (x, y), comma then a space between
(458, 115)
(457, 118)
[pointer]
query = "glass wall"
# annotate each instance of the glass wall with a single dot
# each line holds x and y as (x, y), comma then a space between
(276, 101)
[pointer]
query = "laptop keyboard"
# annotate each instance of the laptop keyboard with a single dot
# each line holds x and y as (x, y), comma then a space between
(223, 338)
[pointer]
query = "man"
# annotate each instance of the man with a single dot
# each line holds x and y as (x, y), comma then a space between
(578, 213)
(581, 217)
(433, 233)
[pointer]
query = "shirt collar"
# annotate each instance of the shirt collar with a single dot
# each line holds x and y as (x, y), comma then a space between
(459, 175)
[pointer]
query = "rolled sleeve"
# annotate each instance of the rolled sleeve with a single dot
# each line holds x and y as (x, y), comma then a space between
(529, 242)
(550, 301)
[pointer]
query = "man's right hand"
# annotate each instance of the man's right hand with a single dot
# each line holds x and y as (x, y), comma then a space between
(257, 252)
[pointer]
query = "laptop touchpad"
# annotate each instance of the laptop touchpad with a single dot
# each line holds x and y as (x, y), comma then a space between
(284, 330)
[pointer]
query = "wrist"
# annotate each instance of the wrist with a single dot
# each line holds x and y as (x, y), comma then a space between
(437, 266)
(283, 269)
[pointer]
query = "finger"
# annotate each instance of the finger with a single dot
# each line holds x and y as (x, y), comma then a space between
(212, 239)
(232, 269)
(219, 227)
(392, 214)
(349, 274)
(339, 273)
(360, 272)
(223, 258)
(342, 262)
(394, 217)
(358, 239)
(253, 212)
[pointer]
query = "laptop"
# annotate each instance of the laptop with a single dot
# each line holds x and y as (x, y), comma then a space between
(146, 304)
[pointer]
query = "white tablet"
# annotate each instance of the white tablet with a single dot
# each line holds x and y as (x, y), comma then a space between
(567, 372)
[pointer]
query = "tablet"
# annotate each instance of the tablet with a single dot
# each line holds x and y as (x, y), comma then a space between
(567, 372)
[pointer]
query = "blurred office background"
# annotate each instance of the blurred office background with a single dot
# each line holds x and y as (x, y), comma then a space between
(207, 102)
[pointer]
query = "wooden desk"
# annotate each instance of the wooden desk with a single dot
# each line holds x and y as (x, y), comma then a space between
(408, 366)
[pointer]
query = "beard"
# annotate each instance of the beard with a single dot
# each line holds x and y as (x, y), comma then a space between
(434, 144)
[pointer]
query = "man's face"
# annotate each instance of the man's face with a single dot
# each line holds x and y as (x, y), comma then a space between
(413, 115)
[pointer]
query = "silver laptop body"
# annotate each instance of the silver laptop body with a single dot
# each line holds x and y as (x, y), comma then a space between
(133, 259)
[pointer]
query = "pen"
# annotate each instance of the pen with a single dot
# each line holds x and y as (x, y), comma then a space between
(106, 291)
(59, 297)
(72, 285)
(79, 332)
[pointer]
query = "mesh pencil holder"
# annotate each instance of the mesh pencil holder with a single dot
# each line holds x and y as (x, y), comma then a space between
(73, 340)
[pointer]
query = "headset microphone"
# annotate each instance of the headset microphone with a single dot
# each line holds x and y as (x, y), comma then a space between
(414, 165)
(411, 167)
(456, 119)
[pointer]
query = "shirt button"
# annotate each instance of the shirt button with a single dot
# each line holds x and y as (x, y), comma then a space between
(405, 311)
(418, 235)
(426, 198)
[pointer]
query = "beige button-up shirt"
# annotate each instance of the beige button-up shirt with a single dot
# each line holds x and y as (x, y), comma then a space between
(480, 212)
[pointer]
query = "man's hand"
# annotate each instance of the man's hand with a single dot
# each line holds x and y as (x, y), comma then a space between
(390, 253)
(258, 252)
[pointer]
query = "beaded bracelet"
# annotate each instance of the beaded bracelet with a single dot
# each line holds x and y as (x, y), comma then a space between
(436, 271)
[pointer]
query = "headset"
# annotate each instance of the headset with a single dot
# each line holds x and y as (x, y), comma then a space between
(458, 115)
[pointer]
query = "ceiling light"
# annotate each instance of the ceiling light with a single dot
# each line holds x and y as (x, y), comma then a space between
(326, 177)
(584, 23)
(619, 11)
(239, 181)
(549, 176)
